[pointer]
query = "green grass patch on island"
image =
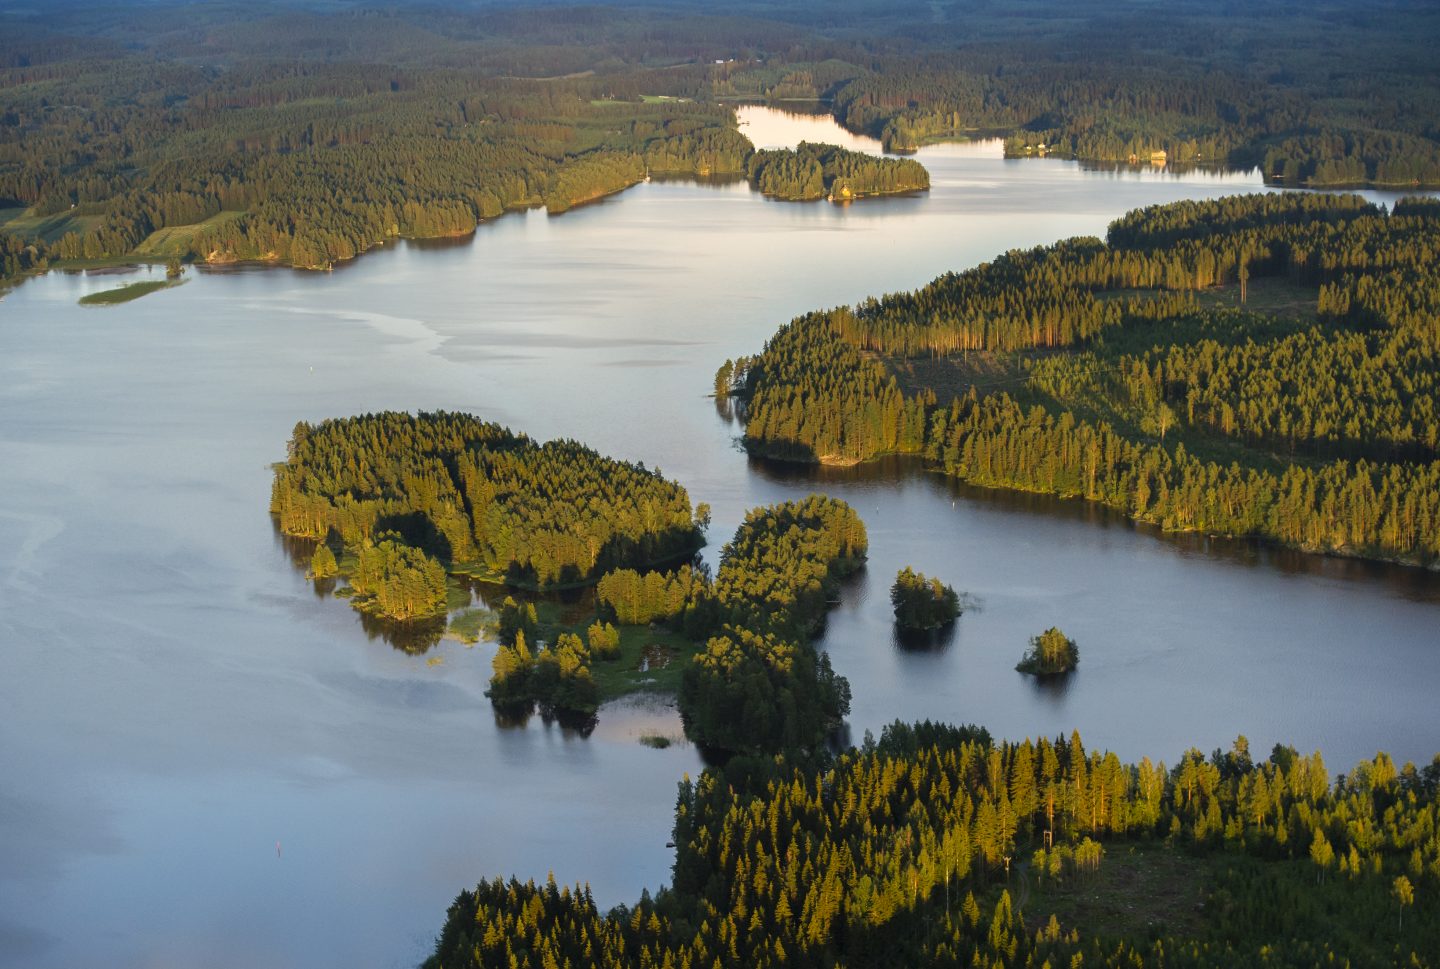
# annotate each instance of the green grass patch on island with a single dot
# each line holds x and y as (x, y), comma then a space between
(128, 292)
(652, 660)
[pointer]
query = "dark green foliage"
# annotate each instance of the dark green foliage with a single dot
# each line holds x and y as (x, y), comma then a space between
(467, 491)
(922, 603)
(896, 855)
(311, 166)
(632, 599)
(1050, 653)
(397, 581)
(322, 563)
(759, 686)
(751, 693)
(515, 620)
(1180, 84)
(780, 571)
(591, 177)
(687, 149)
(309, 136)
(603, 640)
(1131, 415)
(812, 172)
(558, 677)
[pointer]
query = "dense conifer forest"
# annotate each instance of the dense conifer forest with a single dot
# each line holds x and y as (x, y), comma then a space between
(826, 171)
(404, 491)
(1050, 653)
(1252, 366)
(754, 683)
(289, 133)
(759, 686)
(922, 603)
(936, 846)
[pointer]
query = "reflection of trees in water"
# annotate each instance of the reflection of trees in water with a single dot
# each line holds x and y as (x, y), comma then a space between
(298, 550)
(574, 604)
(416, 637)
(1418, 585)
(922, 640)
(517, 716)
(1053, 686)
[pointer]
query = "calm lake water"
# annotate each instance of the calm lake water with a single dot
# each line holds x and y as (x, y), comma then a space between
(207, 764)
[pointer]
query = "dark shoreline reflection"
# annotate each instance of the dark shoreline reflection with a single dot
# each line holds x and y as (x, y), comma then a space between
(1053, 687)
(924, 640)
(415, 637)
(1411, 582)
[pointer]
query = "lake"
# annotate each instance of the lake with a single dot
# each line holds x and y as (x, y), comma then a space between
(207, 764)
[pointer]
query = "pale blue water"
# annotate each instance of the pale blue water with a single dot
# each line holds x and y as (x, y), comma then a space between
(176, 699)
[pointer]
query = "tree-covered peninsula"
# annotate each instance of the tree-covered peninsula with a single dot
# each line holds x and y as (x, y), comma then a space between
(749, 680)
(759, 685)
(810, 172)
(937, 846)
(410, 496)
(1251, 366)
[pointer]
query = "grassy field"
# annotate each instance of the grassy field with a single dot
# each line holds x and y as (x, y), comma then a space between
(953, 376)
(1137, 889)
(47, 228)
(647, 98)
(651, 661)
(124, 294)
(175, 240)
(1277, 296)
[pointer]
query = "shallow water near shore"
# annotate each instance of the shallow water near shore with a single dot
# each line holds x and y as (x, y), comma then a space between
(224, 768)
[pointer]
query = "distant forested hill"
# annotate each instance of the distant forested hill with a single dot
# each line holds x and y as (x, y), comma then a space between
(306, 134)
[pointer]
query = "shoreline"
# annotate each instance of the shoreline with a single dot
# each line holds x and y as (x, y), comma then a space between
(1258, 541)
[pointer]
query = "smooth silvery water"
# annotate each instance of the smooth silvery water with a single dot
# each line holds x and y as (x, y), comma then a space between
(206, 763)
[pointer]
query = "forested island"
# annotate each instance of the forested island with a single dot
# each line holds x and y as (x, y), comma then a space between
(812, 172)
(922, 603)
(938, 846)
(1051, 653)
(405, 499)
(304, 136)
(408, 497)
(1252, 366)
(748, 678)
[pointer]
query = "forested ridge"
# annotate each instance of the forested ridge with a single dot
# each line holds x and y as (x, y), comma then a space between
(313, 166)
(1339, 97)
(1150, 373)
(306, 138)
(476, 496)
(303, 136)
(929, 848)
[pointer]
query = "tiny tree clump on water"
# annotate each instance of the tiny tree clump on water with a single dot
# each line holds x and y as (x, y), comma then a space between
(921, 602)
(1050, 652)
